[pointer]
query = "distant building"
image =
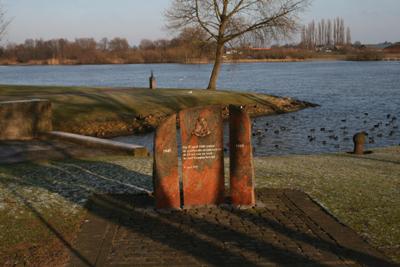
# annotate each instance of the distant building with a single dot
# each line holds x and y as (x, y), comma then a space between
(394, 48)
(257, 48)
(239, 51)
(380, 46)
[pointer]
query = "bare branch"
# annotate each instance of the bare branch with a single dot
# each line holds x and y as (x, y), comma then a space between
(227, 20)
(4, 23)
(217, 10)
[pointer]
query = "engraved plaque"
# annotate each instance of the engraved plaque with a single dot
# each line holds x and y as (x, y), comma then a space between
(202, 156)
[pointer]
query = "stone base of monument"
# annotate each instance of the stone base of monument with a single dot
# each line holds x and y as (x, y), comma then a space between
(226, 203)
(289, 229)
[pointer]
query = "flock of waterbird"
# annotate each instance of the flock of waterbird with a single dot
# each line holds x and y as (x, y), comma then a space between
(336, 137)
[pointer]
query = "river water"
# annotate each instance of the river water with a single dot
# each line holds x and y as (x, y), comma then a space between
(354, 96)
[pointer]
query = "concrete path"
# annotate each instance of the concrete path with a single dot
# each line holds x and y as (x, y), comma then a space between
(64, 148)
(287, 228)
(98, 143)
(37, 150)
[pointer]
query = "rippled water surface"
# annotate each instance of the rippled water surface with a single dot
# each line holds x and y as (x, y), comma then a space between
(354, 96)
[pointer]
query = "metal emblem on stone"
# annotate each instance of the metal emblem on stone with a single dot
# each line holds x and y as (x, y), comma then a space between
(201, 129)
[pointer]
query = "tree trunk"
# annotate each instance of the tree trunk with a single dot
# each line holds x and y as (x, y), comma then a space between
(212, 85)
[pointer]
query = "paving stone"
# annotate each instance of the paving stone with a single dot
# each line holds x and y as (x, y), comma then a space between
(299, 234)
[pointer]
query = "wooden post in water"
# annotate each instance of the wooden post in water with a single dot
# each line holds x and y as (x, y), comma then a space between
(152, 81)
(359, 142)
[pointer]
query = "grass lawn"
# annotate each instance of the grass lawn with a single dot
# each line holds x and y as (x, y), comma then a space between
(362, 192)
(112, 111)
(42, 203)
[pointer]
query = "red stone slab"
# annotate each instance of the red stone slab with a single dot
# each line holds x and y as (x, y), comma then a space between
(202, 156)
(166, 176)
(241, 158)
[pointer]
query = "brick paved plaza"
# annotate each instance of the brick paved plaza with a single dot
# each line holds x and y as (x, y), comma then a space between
(286, 228)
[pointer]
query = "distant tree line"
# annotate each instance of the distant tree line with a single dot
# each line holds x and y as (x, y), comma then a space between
(327, 33)
(190, 44)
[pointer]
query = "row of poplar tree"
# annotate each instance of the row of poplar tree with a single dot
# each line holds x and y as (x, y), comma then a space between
(325, 33)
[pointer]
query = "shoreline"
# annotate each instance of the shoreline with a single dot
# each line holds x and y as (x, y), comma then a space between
(202, 62)
(194, 62)
(113, 112)
(146, 124)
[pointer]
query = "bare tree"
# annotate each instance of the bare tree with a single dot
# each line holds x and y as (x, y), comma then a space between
(329, 33)
(4, 22)
(342, 35)
(321, 33)
(227, 20)
(348, 36)
(304, 36)
(335, 31)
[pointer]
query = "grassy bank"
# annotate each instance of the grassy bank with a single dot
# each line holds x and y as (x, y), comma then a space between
(111, 111)
(42, 203)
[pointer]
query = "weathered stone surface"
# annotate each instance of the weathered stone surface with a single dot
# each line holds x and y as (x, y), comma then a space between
(25, 119)
(202, 156)
(166, 176)
(241, 158)
(359, 142)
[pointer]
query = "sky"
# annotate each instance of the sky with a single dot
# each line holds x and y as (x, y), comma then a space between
(371, 21)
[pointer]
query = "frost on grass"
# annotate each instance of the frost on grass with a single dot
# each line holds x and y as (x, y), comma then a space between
(69, 184)
(363, 192)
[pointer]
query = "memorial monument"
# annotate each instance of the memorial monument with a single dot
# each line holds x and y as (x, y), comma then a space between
(202, 156)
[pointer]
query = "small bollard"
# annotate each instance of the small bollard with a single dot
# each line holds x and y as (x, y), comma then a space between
(359, 142)
(152, 81)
